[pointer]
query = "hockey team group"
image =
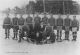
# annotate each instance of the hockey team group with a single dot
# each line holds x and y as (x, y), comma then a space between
(40, 30)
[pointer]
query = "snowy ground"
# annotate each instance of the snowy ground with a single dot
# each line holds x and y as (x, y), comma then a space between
(12, 47)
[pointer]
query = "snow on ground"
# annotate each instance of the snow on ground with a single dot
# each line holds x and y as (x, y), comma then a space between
(12, 47)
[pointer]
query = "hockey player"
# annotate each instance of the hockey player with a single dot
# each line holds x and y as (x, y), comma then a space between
(49, 36)
(21, 21)
(37, 21)
(67, 25)
(29, 20)
(75, 28)
(29, 29)
(59, 24)
(15, 26)
(52, 21)
(7, 26)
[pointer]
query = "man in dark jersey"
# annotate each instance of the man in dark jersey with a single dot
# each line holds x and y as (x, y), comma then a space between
(37, 21)
(75, 27)
(59, 24)
(67, 25)
(29, 29)
(52, 22)
(29, 20)
(21, 21)
(15, 26)
(7, 26)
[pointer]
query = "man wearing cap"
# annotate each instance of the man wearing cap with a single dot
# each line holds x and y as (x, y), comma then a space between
(75, 27)
(7, 26)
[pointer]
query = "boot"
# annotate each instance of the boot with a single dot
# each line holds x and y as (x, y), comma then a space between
(14, 36)
(74, 38)
(5, 35)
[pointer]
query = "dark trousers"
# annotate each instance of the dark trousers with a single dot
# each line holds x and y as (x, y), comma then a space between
(7, 33)
(66, 35)
(15, 30)
(21, 35)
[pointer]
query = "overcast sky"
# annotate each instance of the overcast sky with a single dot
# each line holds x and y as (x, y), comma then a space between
(12, 3)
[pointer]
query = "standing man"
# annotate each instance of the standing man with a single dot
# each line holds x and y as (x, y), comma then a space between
(75, 28)
(59, 23)
(52, 22)
(7, 26)
(37, 21)
(29, 22)
(67, 25)
(15, 26)
(21, 24)
(29, 27)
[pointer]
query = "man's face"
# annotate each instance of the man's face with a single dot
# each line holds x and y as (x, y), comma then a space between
(37, 15)
(74, 17)
(67, 16)
(7, 15)
(21, 16)
(29, 15)
(59, 16)
(15, 15)
(45, 15)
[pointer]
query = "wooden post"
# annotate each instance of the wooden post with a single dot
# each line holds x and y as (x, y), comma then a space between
(44, 5)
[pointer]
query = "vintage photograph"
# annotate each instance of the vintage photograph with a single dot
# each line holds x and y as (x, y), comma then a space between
(39, 27)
